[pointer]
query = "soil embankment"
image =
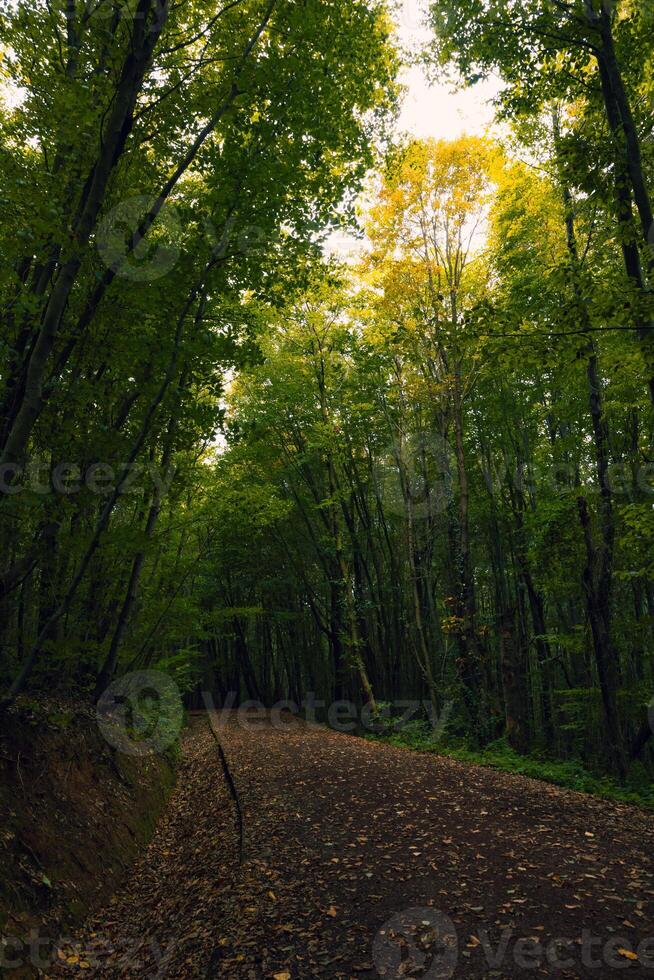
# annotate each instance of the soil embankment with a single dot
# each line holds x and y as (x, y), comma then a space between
(74, 814)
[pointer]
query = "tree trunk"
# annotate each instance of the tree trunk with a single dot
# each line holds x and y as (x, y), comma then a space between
(466, 606)
(514, 683)
(627, 169)
(597, 589)
(631, 141)
(145, 34)
(598, 572)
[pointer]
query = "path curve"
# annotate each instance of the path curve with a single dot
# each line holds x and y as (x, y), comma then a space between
(344, 836)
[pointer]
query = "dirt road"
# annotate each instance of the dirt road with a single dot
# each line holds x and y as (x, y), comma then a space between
(364, 860)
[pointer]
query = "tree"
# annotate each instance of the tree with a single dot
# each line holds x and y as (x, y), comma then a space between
(204, 126)
(572, 51)
(431, 210)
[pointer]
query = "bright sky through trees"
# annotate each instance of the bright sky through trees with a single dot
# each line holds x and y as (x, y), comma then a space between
(436, 476)
(429, 108)
(436, 108)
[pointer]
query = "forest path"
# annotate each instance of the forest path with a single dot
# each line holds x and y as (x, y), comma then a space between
(343, 834)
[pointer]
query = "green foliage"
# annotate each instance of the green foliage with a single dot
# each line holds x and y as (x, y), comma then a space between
(180, 163)
(424, 475)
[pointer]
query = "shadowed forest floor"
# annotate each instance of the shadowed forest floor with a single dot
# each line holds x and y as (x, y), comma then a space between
(340, 836)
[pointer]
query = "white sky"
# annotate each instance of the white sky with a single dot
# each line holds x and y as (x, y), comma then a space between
(437, 110)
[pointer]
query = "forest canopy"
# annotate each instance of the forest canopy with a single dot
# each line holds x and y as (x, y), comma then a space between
(424, 471)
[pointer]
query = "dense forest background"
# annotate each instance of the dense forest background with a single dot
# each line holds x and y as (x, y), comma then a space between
(423, 472)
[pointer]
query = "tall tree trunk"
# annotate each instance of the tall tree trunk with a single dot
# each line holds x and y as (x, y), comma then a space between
(108, 668)
(598, 572)
(145, 33)
(198, 290)
(628, 171)
(422, 651)
(597, 590)
(513, 682)
(466, 606)
(634, 159)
